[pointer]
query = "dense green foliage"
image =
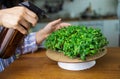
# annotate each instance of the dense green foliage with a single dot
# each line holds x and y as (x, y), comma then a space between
(76, 41)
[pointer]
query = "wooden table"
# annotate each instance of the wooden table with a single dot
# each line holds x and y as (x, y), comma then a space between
(38, 66)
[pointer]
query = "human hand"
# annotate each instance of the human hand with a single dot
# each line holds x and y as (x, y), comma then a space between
(19, 18)
(49, 28)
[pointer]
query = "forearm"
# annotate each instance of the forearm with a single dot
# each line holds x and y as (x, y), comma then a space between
(40, 36)
(29, 44)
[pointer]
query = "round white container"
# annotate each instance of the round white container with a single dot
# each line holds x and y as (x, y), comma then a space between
(76, 66)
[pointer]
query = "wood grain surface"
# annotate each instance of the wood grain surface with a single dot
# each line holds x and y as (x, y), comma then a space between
(38, 66)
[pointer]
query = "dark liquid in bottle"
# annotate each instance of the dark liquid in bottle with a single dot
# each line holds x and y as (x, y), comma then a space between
(9, 40)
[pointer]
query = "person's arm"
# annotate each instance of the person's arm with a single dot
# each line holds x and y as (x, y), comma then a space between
(29, 44)
(16, 18)
(33, 40)
(6, 62)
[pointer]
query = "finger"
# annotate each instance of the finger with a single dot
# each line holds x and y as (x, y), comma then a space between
(29, 12)
(21, 29)
(54, 23)
(25, 24)
(61, 25)
(30, 19)
(64, 24)
(32, 14)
